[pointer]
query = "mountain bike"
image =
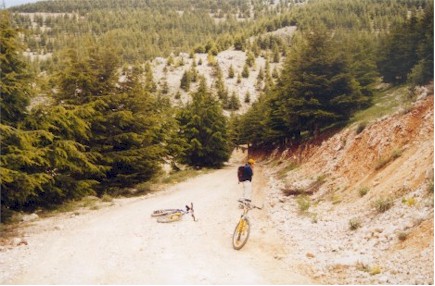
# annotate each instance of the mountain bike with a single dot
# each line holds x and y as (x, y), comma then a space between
(243, 228)
(171, 215)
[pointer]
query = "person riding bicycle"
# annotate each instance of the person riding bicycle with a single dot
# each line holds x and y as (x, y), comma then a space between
(247, 180)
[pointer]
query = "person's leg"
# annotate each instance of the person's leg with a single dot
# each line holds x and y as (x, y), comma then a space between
(247, 190)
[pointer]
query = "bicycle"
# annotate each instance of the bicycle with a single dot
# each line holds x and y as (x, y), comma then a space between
(243, 227)
(171, 215)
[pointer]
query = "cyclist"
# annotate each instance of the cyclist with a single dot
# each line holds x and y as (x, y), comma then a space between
(247, 181)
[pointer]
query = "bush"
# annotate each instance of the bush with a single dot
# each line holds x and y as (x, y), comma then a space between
(382, 205)
(402, 236)
(361, 127)
(374, 270)
(430, 186)
(363, 191)
(106, 198)
(354, 224)
(410, 202)
(304, 203)
(382, 162)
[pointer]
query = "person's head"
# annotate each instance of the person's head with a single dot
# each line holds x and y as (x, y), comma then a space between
(251, 162)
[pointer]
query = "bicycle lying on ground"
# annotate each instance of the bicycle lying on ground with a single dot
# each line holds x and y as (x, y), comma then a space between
(243, 228)
(171, 215)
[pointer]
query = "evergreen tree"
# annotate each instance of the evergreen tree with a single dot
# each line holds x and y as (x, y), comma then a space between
(186, 79)
(204, 128)
(423, 71)
(233, 102)
(239, 78)
(398, 52)
(254, 127)
(132, 135)
(41, 162)
(125, 122)
(247, 97)
(150, 85)
(231, 72)
(15, 79)
(316, 88)
(234, 129)
(250, 59)
(245, 72)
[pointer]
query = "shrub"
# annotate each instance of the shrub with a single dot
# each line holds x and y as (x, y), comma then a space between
(304, 203)
(402, 236)
(410, 202)
(314, 218)
(354, 224)
(106, 198)
(375, 269)
(336, 199)
(363, 191)
(361, 127)
(382, 204)
(382, 162)
(430, 187)
(282, 173)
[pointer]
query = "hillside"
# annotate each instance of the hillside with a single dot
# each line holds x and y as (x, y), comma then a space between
(360, 209)
(172, 75)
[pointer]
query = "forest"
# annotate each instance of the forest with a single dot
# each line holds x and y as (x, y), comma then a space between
(104, 127)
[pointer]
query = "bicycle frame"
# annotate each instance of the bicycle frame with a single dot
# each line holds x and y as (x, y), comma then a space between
(242, 230)
(171, 215)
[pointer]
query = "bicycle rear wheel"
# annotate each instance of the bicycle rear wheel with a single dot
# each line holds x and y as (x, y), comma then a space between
(170, 217)
(241, 233)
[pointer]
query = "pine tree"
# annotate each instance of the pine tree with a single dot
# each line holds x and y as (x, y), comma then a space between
(247, 97)
(233, 102)
(250, 59)
(316, 88)
(42, 164)
(150, 85)
(204, 127)
(231, 72)
(398, 52)
(15, 79)
(125, 123)
(423, 71)
(185, 81)
(245, 71)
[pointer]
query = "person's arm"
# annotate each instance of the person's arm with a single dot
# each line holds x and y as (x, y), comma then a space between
(250, 173)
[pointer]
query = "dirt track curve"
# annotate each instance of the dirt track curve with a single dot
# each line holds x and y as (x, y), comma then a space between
(122, 244)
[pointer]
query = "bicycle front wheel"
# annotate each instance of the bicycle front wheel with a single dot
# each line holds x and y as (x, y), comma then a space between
(241, 233)
(170, 217)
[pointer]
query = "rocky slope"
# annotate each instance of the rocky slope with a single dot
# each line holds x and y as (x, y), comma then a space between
(358, 207)
(172, 74)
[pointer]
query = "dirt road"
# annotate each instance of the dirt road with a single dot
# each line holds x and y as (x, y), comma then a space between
(122, 244)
